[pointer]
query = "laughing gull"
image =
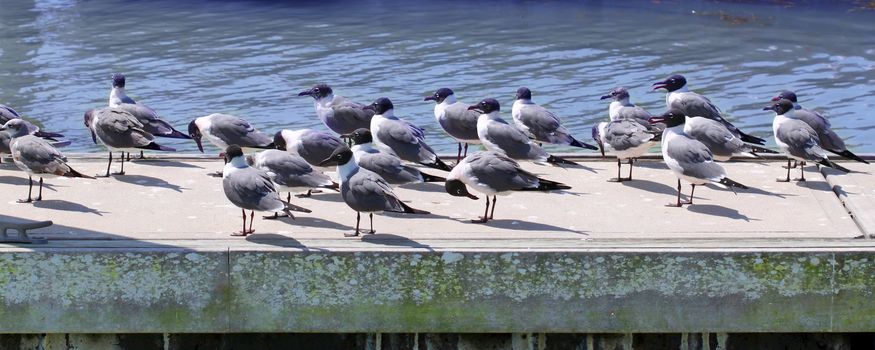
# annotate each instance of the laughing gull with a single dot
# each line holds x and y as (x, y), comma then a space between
(828, 139)
(626, 138)
(338, 113)
(541, 124)
(455, 118)
(119, 131)
(36, 157)
(363, 190)
(387, 165)
(400, 137)
(5, 139)
(499, 136)
(797, 139)
(688, 158)
(621, 108)
(152, 123)
(695, 105)
(720, 140)
(314, 146)
(250, 188)
(493, 173)
(289, 172)
(223, 130)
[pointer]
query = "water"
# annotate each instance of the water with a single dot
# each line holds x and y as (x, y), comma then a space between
(250, 58)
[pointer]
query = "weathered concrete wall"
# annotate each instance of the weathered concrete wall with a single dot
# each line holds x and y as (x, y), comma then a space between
(288, 290)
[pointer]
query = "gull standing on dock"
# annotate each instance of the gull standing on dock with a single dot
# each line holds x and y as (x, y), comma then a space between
(400, 137)
(119, 131)
(455, 118)
(314, 146)
(493, 173)
(36, 157)
(827, 138)
(338, 113)
(252, 189)
(289, 172)
(797, 139)
(152, 123)
(223, 130)
(5, 139)
(541, 124)
(363, 190)
(499, 136)
(385, 164)
(692, 104)
(688, 158)
(628, 134)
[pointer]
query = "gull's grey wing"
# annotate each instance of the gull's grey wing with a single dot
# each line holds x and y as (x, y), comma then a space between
(119, 129)
(695, 105)
(716, 137)
(318, 146)
(500, 172)
(695, 159)
(7, 113)
(289, 170)
(544, 125)
(801, 139)
(513, 142)
(459, 122)
(388, 167)
(623, 134)
(349, 116)
(406, 140)
(152, 123)
(252, 189)
(236, 131)
(5, 139)
(368, 192)
(38, 155)
(828, 139)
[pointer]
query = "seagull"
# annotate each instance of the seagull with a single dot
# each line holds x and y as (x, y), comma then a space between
(627, 138)
(223, 130)
(827, 138)
(7, 113)
(337, 112)
(119, 130)
(621, 108)
(289, 172)
(250, 188)
(152, 123)
(499, 136)
(540, 123)
(455, 118)
(363, 190)
(797, 139)
(36, 157)
(400, 137)
(695, 105)
(720, 140)
(493, 173)
(314, 146)
(387, 165)
(688, 158)
(5, 139)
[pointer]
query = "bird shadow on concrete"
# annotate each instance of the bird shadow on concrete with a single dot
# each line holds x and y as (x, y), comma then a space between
(147, 181)
(426, 187)
(716, 210)
(164, 163)
(279, 240)
(310, 221)
(522, 225)
(817, 185)
(327, 196)
(651, 186)
(393, 240)
(22, 181)
(60, 204)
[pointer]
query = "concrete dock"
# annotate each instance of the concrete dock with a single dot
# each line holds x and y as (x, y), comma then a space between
(151, 252)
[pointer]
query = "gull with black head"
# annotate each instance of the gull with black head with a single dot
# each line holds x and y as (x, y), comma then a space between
(407, 141)
(455, 118)
(494, 174)
(689, 159)
(499, 136)
(338, 113)
(363, 190)
(541, 124)
(387, 165)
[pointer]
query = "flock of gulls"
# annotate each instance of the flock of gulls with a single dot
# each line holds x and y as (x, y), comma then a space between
(373, 149)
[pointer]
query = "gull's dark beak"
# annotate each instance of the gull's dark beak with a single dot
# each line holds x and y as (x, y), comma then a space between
(93, 137)
(475, 109)
(776, 98)
(659, 85)
(369, 107)
(769, 108)
(327, 161)
(306, 93)
(430, 98)
(197, 140)
(658, 119)
(605, 97)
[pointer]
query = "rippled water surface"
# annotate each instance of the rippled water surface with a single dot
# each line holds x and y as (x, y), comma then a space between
(250, 58)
